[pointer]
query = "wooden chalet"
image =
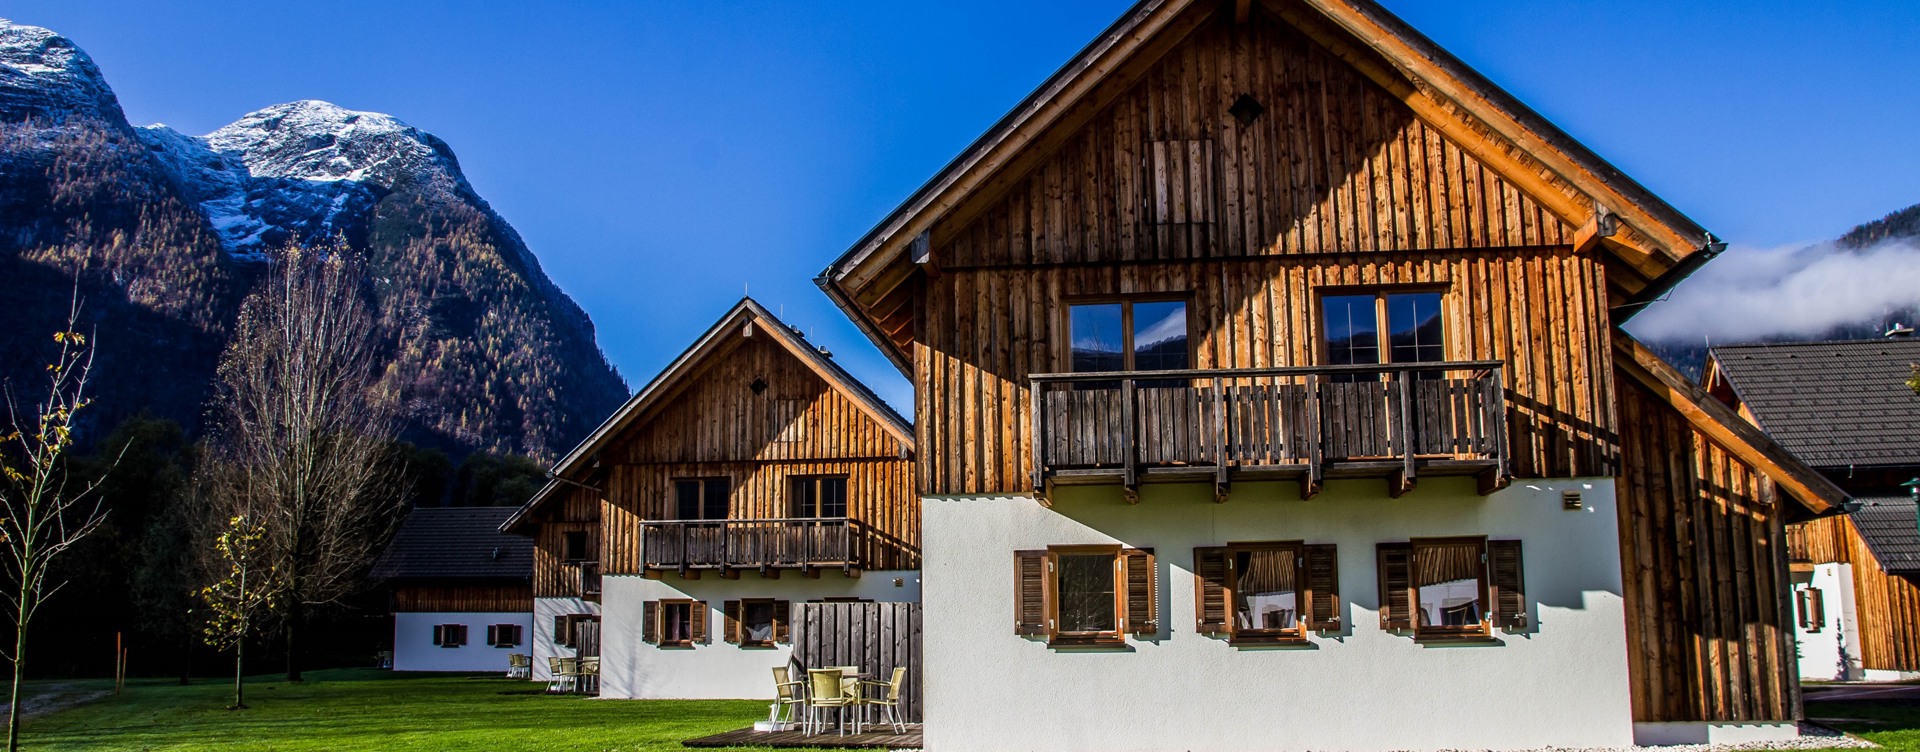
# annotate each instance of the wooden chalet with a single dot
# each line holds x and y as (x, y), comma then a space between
(1846, 409)
(752, 457)
(1282, 278)
(458, 590)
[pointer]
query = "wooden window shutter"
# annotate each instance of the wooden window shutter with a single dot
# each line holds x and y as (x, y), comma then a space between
(1030, 585)
(650, 622)
(1508, 583)
(730, 631)
(440, 630)
(1210, 590)
(1142, 597)
(1819, 607)
(1396, 586)
(781, 612)
(697, 621)
(493, 635)
(1322, 574)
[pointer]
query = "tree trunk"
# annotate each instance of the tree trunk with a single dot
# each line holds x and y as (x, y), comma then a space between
(19, 657)
(294, 616)
(186, 662)
(239, 658)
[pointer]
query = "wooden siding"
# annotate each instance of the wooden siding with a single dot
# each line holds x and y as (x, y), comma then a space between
(1886, 605)
(877, 637)
(879, 493)
(1335, 163)
(515, 597)
(1709, 635)
(1540, 310)
(577, 511)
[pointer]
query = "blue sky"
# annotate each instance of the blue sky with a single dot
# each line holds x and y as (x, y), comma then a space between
(661, 157)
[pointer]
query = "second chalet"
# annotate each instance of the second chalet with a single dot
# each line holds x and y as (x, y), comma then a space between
(751, 475)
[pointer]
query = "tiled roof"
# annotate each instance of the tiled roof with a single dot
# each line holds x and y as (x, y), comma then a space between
(1833, 404)
(1888, 525)
(455, 543)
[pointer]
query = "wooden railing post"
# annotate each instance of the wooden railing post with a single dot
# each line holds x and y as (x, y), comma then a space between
(1405, 482)
(1219, 441)
(1316, 434)
(1038, 444)
(1129, 425)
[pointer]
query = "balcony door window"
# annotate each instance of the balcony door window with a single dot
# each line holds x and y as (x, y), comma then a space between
(820, 497)
(1383, 327)
(1128, 335)
(701, 498)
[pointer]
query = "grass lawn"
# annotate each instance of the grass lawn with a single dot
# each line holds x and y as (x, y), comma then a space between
(1893, 725)
(353, 709)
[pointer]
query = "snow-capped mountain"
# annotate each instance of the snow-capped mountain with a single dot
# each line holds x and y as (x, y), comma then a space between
(160, 229)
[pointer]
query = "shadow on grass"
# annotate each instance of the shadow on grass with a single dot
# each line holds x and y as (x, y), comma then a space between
(1893, 724)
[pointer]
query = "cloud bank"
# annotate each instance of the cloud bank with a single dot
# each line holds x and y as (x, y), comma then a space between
(1806, 292)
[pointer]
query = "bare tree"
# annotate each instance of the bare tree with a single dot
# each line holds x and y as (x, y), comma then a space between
(46, 511)
(301, 431)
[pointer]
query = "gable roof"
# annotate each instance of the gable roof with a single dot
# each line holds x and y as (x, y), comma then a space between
(747, 311)
(1888, 526)
(1653, 244)
(455, 543)
(1834, 404)
(1711, 417)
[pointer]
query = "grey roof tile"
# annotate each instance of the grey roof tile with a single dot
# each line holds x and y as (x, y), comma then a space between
(1833, 404)
(1889, 526)
(455, 543)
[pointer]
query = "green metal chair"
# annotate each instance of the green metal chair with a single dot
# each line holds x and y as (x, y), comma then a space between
(889, 702)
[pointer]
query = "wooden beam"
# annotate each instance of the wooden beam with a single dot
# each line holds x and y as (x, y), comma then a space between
(1309, 486)
(1242, 11)
(729, 573)
(1399, 484)
(1491, 481)
(1601, 226)
(1721, 424)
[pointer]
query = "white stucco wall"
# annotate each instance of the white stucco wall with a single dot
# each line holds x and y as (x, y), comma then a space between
(632, 668)
(1833, 652)
(1561, 682)
(544, 609)
(413, 648)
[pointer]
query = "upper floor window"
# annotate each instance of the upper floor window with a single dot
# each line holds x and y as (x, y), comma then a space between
(574, 546)
(820, 496)
(1382, 327)
(701, 498)
(1129, 335)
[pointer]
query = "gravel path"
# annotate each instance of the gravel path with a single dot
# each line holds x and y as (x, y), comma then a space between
(1812, 736)
(51, 698)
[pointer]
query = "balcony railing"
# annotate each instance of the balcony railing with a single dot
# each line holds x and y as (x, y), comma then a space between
(795, 543)
(587, 579)
(1392, 421)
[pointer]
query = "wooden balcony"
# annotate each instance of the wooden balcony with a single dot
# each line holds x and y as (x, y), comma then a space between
(807, 544)
(1397, 422)
(586, 579)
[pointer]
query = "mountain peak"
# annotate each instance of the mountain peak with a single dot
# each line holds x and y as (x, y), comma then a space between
(321, 141)
(46, 75)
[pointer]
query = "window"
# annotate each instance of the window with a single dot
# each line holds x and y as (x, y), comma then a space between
(701, 498)
(1810, 604)
(503, 635)
(1085, 595)
(450, 635)
(566, 628)
(820, 497)
(1351, 326)
(1267, 592)
(675, 623)
(1451, 588)
(574, 546)
(756, 622)
(1128, 335)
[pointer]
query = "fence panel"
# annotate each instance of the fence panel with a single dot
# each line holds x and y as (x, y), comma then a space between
(877, 637)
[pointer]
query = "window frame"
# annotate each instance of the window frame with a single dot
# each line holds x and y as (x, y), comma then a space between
(1483, 630)
(794, 482)
(1295, 636)
(702, 481)
(1126, 302)
(450, 635)
(495, 631)
(1106, 638)
(773, 623)
(691, 638)
(566, 541)
(1383, 327)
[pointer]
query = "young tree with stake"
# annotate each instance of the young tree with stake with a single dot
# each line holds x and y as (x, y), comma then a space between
(247, 589)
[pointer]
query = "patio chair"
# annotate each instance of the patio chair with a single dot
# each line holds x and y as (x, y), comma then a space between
(889, 702)
(826, 691)
(587, 680)
(788, 696)
(567, 673)
(519, 666)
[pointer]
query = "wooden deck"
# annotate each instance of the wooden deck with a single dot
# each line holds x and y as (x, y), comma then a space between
(747, 737)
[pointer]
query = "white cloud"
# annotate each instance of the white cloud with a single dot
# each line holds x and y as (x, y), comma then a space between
(1750, 294)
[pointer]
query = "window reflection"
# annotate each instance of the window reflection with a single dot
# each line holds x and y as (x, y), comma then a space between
(1265, 596)
(1449, 584)
(1099, 338)
(1415, 333)
(1352, 329)
(1086, 593)
(1159, 336)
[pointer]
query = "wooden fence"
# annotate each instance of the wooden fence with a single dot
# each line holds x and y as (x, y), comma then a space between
(877, 637)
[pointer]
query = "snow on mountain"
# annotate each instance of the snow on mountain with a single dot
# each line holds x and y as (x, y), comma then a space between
(44, 74)
(303, 170)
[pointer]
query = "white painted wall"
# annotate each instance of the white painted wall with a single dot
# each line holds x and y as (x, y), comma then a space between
(544, 609)
(1833, 652)
(632, 668)
(1562, 682)
(413, 648)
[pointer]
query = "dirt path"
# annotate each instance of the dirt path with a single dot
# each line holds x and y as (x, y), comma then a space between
(53, 698)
